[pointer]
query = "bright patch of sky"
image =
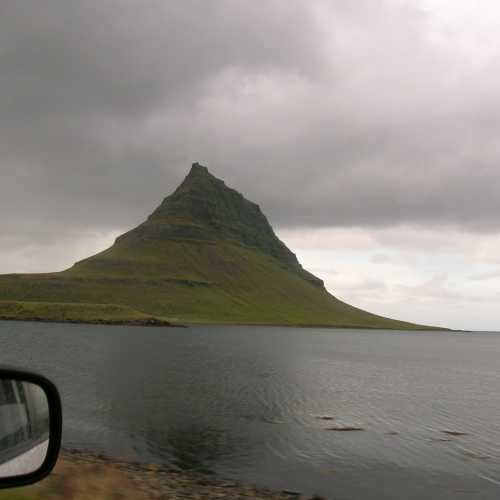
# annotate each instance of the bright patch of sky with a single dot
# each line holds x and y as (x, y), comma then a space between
(443, 277)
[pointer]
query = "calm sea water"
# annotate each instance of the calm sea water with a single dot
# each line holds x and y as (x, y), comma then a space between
(243, 403)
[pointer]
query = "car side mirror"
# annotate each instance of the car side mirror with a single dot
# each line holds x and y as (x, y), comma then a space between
(30, 427)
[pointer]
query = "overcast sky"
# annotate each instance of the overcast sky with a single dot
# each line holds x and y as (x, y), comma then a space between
(367, 131)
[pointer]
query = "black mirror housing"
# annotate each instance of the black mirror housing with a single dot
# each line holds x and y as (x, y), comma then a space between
(54, 426)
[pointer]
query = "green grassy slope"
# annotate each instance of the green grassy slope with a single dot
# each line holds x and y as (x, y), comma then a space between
(208, 283)
(205, 255)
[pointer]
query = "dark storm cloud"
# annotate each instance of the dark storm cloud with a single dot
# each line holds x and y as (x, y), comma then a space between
(326, 113)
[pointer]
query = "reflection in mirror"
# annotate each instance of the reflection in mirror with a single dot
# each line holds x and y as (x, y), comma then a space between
(24, 427)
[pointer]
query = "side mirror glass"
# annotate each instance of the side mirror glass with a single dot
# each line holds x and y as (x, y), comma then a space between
(30, 427)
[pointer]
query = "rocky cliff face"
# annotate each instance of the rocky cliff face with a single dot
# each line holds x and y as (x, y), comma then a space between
(204, 209)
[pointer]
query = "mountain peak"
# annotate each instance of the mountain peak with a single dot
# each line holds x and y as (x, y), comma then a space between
(199, 180)
(198, 169)
(204, 209)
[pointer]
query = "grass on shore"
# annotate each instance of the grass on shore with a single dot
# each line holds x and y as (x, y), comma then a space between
(82, 477)
(72, 481)
(74, 312)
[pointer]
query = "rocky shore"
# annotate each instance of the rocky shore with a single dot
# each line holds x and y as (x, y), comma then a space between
(84, 476)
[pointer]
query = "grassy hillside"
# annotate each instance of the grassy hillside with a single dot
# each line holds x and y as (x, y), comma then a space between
(195, 282)
(205, 255)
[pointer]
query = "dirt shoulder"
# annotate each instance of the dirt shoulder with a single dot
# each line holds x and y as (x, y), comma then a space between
(81, 476)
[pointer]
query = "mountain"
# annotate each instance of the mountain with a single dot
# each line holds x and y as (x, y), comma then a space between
(206, 254)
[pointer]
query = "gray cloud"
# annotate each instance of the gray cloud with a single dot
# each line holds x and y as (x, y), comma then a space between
(326, 113)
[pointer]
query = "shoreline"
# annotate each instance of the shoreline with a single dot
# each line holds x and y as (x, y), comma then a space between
(79, 313)
(109, 322)
(154, 322)
(123, 315)
(152, 481)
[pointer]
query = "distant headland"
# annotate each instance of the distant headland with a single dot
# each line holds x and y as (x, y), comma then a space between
(205, 255)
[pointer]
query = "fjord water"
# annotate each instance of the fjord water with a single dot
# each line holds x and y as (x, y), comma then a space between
(243, 403)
